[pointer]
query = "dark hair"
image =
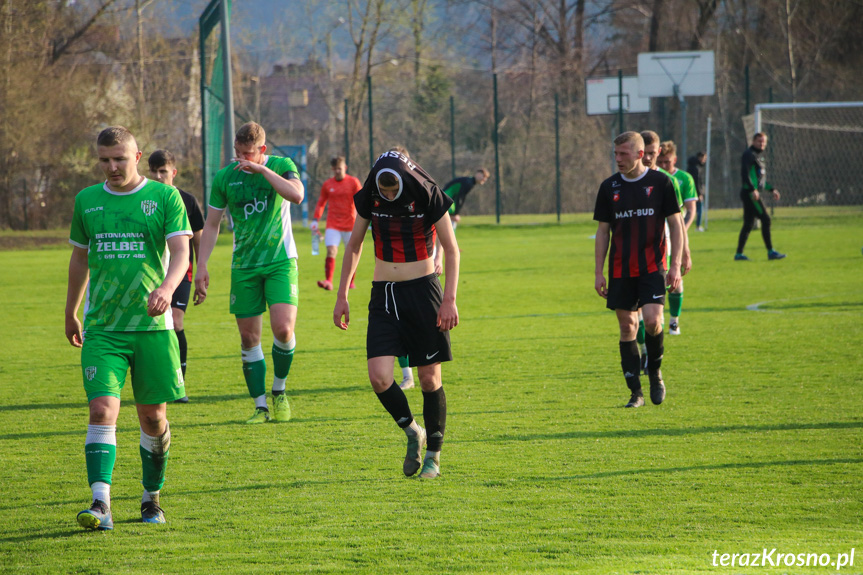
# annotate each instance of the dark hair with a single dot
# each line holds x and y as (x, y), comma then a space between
(113, 136)
(161, 158)
(387, 179)
(649, 137)
(337, 160)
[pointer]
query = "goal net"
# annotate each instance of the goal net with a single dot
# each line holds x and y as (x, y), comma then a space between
(813, 151)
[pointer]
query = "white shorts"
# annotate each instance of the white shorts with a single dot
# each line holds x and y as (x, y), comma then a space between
(333, 237)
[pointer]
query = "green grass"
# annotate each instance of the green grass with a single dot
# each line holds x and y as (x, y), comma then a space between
(758, 444)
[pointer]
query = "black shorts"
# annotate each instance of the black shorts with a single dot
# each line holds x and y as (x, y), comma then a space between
(180, 299)
(632, 293)
(403, 321)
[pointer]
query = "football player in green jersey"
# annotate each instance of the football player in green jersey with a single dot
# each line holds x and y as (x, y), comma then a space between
(258, 189)
(119, 233)
(667, 160)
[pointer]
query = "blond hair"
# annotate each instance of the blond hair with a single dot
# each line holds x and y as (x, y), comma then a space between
(251, 133)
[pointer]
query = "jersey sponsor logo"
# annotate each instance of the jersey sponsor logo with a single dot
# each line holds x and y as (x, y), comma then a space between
(648, 190)
(633, 213)
(255, 207)
(90, 372)
(235, 183)
(149, 207)
(400, 156)
(96, 209)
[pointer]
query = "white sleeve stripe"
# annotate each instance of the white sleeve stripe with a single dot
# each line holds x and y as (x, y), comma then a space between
(180, 233)
(215, 208)
(74, 243)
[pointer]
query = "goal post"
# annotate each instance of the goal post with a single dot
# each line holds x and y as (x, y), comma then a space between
(813, 151)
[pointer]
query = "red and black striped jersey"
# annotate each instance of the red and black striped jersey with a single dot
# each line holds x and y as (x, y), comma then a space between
(403, 228)
(636, 210)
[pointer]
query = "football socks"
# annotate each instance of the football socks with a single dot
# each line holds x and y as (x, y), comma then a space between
(434, 417)
(329, 268)
(396, 403)
(403, 362)
(100, 453)
(255, 372)
(181, 339)
(630, 362)
(154, 458)
(655, 349)
(675, 303)
(283, 356)
(639, 336)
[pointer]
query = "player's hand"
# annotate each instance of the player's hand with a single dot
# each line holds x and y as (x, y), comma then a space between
(314, 227)
(447, 316)
(248, 166)
(159, 302)
(755, 196)
(600, 286)
(73, 331)
(686, 265)
(438, 267)
(342, 309)
(202, 282)
(672, 280)
(776, 195)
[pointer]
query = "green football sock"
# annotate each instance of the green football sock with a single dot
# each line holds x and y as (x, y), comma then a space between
(154, 459)
(675, 303)
(639, 336)
(255, 371)
(100, 453)
(403, 361)
(283, 356)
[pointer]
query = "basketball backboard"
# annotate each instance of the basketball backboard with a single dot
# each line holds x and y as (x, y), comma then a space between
(604, 96)
(676, 74)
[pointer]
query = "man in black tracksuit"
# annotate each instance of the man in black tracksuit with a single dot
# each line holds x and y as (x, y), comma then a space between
(754, 183)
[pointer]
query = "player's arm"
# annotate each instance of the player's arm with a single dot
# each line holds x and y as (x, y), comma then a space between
(159, 300)
(79, 273)
(196, 244)
(209, 236)
(678, 245)
(353, 251)
(447, 317)
(690, 212)
(600, 250)
(288, 185)
(319, 208)
(438, 257)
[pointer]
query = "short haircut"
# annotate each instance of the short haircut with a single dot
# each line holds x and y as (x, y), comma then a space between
(700, 155)
(114, 136)
(251, 133)
(484, 172)
(161, 158)
(762, 134)
(667, 148)
(337, 160)
(650, 137)
(401, 150)
(630, 137)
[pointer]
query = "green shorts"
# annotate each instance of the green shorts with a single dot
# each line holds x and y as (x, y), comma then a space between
(153, 357)
(253, 289)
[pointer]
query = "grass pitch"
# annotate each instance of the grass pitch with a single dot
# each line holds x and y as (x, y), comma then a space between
(757, 446)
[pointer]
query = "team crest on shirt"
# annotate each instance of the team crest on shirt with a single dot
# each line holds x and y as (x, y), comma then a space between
(377, 203)
(412, 207)
(648, 190)
(616, 196)
(149, 207)
(90, 372)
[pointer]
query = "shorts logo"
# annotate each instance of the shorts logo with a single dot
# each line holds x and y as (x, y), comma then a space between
(90, 372)
(149, 207)
(233, 299)
(294, 290)
(648, 190)
(180, 381)
(616, 196)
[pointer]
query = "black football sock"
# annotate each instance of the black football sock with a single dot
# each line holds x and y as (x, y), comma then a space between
(631, 364)
(396, 403)
(655, 349)
(434, 416)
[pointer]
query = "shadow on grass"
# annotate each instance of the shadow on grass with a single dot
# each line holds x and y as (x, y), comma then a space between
(714, 467)
(674, 432)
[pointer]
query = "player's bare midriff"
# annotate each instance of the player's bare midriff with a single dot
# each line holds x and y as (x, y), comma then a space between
(402, 271)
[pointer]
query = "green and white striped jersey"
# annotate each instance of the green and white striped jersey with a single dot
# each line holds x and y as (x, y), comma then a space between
(125, 233)
(262, 218)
